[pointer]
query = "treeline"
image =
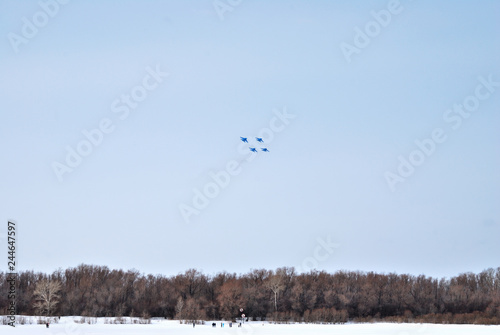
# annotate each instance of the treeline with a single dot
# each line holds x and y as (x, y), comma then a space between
(281, 295)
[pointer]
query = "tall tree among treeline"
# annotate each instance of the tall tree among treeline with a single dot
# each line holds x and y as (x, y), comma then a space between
(280, 295)
(275, 284)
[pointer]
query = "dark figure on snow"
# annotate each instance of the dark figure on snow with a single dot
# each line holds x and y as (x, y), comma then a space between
(47, 325)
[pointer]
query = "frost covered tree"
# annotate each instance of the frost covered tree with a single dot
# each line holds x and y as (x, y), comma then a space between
(46, 296)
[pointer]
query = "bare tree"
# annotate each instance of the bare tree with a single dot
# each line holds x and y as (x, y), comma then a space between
(47, 296)
(178, 308)
(193, 312)
(230, 298)
(275, 284)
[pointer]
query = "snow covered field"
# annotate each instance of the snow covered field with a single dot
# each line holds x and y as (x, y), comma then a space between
(66, 326)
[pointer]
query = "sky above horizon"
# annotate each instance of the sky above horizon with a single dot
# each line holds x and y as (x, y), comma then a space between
(120, 130)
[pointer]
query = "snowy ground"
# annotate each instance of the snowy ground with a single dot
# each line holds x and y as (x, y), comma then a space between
(67, 326)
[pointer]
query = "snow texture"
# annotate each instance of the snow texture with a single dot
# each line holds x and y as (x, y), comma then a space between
(67, 326)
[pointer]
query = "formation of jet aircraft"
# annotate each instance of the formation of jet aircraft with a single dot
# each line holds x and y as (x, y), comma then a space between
(253, 149)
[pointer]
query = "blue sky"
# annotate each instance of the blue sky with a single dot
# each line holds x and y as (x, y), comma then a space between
(324, 182)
